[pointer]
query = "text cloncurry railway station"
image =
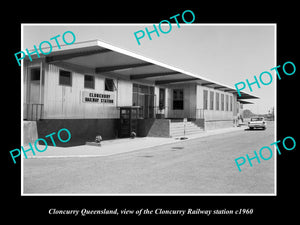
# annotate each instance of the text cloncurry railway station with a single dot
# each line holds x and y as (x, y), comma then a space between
(145, 211)
(97, 97)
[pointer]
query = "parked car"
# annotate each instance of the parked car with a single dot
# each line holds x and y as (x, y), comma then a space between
(257, 122)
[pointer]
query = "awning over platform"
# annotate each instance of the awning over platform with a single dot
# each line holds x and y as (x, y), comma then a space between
(100, 57)
(245, 102)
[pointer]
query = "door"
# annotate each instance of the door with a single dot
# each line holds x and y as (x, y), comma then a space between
(161, 103)
(128, 121)
(34, 93)
(124, 122)
(143, 96)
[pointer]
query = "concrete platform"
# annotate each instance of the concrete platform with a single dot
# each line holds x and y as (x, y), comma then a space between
(93, 144)
(119, 146)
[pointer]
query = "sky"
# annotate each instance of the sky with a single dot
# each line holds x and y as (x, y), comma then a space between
(225, 53)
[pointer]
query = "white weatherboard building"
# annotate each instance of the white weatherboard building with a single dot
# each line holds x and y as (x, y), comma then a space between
(92, 88)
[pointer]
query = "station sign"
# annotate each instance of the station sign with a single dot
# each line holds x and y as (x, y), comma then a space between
(94, 97)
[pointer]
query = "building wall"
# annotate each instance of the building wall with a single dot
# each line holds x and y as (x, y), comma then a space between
(194, 103)
(82, 130)
(211, 125)
(189, 95)
(214, 114)
(65, 102)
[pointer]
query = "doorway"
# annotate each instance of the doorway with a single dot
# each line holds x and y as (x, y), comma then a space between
(34, 94)
(143, 96)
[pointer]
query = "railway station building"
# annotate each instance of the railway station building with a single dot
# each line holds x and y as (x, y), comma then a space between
(93, 88)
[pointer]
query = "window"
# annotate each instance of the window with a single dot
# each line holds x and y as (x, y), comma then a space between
(109, 84)
(205, 95)
(217, 101)
(144, 89)
(178, 99)
(65, 78)
(226, 102)
(211, 99)
(151, 90)
(222, 102)
(135, 88)
(89, 81)
(162, 98)
(230, 103)
(35, 74)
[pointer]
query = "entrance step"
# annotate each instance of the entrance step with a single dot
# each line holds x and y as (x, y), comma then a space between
(180, 128)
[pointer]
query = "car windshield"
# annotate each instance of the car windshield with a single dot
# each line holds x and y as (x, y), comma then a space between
(257, 119)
